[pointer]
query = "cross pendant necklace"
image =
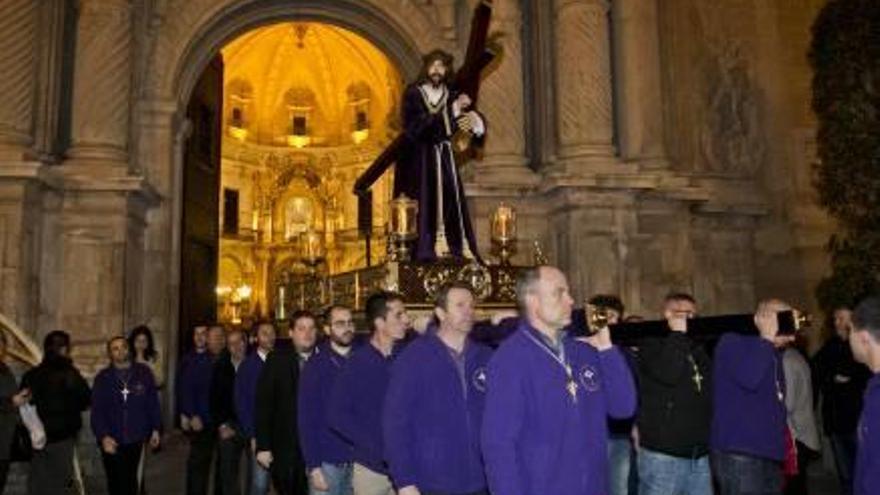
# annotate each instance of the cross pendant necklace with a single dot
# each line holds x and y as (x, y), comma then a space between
(698, 377)
(125, 391)
(571, 385)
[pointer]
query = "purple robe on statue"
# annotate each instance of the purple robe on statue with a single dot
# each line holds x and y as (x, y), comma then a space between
(426, 171)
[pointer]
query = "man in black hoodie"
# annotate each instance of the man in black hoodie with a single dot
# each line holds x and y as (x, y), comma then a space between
(60, 394)
(841, 382)
(675, 408)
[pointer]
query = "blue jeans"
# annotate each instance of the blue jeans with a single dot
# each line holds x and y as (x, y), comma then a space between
(844, 448)
(257, 476)
(338, 478)
(739, 474)
(619, 462)
(661, 474)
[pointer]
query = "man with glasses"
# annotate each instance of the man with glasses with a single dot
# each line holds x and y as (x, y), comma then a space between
(328, 457)
(356, 403)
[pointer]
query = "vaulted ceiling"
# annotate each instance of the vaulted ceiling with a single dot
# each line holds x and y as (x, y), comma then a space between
(323, 72)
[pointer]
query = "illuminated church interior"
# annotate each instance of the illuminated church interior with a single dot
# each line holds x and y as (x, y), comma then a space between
(307, 107)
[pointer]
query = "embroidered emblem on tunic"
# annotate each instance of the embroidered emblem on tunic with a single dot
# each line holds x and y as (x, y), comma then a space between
(589, 378)
(479, 379)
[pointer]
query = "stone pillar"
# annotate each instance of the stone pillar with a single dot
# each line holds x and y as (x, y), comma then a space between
(102, 82)
(502, 103)
(584, 116)
(160, 134)
(17, 83)
(592, 232)
(638, 81)
(21, 211)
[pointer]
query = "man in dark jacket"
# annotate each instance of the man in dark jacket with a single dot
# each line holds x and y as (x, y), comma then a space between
(10, 399)
(194, 389)
(276, 419)
(231, 442)
(246, 379)
(125, 415)
(60, 394)
(841, 382)
(676, 407)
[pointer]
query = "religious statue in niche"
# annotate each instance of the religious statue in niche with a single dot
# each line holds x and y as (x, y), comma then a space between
(731, 140)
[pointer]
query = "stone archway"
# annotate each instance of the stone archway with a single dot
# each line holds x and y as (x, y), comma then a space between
(183, 46)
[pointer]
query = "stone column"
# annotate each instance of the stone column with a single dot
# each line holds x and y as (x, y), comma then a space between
(638, 81)
(585, 124)
(17, 83)
(102, 82)
(502, 103)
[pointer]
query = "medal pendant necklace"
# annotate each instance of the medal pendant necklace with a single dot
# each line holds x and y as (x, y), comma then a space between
(571, 385)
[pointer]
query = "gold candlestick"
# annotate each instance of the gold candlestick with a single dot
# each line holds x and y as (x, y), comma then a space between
(503, 233)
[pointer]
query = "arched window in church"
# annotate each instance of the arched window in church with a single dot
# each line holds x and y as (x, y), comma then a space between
(239, 95)
(300, 104)
(359, 96)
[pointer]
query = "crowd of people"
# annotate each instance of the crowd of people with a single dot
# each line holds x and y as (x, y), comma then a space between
(526, 403)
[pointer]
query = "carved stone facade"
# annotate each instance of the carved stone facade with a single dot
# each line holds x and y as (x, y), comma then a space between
(678, 157)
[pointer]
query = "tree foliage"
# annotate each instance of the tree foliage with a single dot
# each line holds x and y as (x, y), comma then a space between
(845, 56)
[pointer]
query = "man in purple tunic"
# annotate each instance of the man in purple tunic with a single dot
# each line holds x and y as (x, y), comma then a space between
(748, 432)
(434, 404)
(548, 398)
(865, 343)
(426, 169)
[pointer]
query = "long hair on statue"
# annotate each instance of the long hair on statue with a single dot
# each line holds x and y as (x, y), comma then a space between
(448, 60)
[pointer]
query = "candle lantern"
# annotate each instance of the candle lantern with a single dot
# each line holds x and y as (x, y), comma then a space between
(403, 224)
(312, 246)
(503, 232)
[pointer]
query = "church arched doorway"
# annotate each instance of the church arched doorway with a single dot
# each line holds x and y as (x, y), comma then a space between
(281, 123)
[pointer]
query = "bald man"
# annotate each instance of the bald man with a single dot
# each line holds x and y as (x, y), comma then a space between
(748, 435)
(548, 397)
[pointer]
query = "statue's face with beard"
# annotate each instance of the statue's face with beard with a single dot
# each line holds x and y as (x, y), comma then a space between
(437, 72)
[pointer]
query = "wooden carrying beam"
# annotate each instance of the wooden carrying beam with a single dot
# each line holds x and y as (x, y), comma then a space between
(700, 328)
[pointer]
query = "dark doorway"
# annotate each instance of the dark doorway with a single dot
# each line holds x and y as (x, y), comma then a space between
(200, 239)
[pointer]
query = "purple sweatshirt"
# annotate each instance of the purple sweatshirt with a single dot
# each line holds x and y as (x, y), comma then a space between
(433, 412)
(246, 392)
(537, 438)
(130, 417)
(318, 442)
(194, 385)
(748, 390)
(356, 402)
(867, 475)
